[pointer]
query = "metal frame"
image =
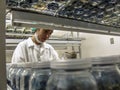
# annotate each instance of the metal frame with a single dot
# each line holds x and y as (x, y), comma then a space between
(29, 19)
(3, 85)
(57, 42)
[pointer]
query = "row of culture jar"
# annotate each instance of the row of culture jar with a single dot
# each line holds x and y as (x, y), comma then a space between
(97, 73)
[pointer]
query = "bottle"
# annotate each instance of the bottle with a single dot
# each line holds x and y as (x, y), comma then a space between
(95, 2)
(25, 76)
(53, 6)
(12, 76)
(18, 75)
(106, 72)
(9, 72)
(25, 3)
(71, 74)
(39, 78)
(12, 3)
(8, 69)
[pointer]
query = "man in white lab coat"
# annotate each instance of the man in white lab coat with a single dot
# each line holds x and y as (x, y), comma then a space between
(35, 49)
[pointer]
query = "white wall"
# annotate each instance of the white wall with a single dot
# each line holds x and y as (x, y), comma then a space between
(95, 45)
(99, 45)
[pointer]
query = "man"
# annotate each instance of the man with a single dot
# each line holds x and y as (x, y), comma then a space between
(35, 49)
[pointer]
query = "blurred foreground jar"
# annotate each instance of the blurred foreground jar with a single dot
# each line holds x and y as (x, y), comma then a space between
(18, 75)
(39, 78)
(71, 75)
(25, 76)
(106, 72)
(8, 70)
(12, 76)
(119, 61)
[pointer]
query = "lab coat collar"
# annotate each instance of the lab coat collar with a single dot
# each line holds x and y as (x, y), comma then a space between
(45, 45)
(31, 43)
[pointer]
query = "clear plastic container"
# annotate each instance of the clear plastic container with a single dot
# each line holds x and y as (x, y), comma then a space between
(25, 76)
(71, 75)
(39, 78)
(106, 72)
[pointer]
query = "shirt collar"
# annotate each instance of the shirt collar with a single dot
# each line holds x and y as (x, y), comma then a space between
(31, 43)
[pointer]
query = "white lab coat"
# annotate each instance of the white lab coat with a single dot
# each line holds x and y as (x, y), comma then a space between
(27, 51)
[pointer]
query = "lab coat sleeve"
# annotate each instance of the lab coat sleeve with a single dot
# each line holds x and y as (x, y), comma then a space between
(54, 54)
(19, 54)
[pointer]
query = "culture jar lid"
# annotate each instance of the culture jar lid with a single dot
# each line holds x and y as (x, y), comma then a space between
(27, 65)
(114, 59)
(8, 64)
(13, 65)
(71, 64)
(45, 64)
(19, 65)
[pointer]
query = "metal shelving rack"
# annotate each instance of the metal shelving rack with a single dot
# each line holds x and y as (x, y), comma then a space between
(24, 18)
(59, 43)
(100, 17)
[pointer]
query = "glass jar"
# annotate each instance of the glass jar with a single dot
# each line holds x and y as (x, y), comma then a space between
(12, 76)
(25, 76)
(8, 69)
(95, 2)
(71, 75)
(9, 74)
(39, 78)
(18, 75)
(106, 72)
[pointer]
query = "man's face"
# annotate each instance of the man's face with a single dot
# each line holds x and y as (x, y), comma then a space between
(44, 34)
